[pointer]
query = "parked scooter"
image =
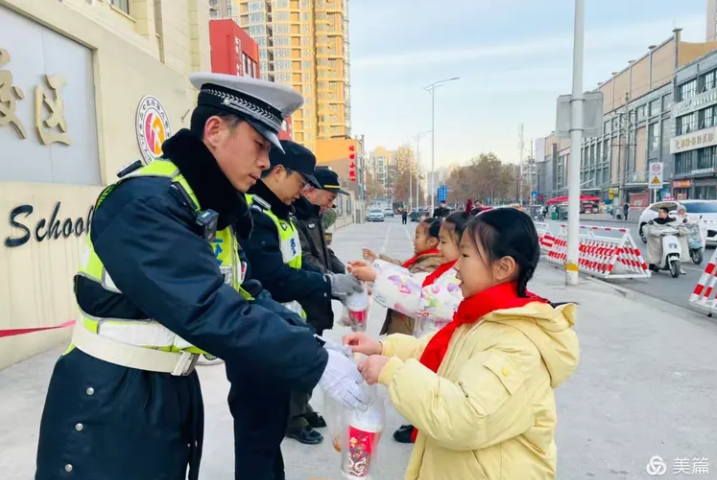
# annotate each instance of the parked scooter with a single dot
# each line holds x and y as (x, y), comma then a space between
(671, 248)
(694, 242)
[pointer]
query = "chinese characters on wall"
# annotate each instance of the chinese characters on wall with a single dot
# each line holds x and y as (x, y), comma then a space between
(49, 121)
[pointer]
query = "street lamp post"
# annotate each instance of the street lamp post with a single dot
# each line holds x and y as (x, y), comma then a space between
(417, 137)
(576, 136)
(432, 90)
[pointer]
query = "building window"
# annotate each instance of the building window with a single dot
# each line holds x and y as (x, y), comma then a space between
(306, 29)
(305, 16)
(653, 137)
(707, 117)
(257, 31)
(606, 126)
(256, 6)
(667, 103)
(282, 42)
(282, 17)
(687, 90)
(282, 28)
(641, 110)
(257, 18)
(686, 124)
(655, 107)
(122, 5)
(684, 162)
(281, 3)
(706, 158)
(306, 64)
(708, 80)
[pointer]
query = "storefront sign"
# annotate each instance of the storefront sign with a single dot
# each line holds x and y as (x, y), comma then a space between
(695, 103)
(51, 228)
(695, 140)
(49, 121)
(152, 125)
(682, 184)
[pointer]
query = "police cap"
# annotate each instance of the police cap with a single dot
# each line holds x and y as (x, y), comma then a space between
(329, 180)
(297, 158)
(263, 105)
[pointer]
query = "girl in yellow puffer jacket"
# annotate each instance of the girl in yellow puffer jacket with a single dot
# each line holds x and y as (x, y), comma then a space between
(480, 391)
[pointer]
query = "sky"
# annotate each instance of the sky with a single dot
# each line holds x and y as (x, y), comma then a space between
(513, 57)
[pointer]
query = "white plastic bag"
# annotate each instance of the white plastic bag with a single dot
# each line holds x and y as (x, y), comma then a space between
(362, 433)
(357, 311)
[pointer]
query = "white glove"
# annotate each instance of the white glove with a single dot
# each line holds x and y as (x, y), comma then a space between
(342, 382)
(344, 350)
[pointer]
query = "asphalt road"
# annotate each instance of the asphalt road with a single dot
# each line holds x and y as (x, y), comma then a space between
(661, 285)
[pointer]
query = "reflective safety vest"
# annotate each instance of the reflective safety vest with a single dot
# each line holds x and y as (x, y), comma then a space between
(149, 333)
(289, 242)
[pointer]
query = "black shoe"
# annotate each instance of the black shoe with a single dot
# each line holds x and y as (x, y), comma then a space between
(405, 427)
(315, 420)
(306, 435)
(403, 435)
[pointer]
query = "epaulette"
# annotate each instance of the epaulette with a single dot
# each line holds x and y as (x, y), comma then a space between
(259, 204)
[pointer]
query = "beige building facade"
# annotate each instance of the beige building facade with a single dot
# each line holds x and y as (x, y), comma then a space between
(637, 127)
(86, 87)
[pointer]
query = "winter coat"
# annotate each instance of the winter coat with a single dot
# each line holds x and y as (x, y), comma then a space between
(316, 252)
(432, 306)
(397, 322)
(489, 412)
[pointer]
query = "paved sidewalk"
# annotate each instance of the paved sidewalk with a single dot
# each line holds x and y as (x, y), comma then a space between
(645, 387)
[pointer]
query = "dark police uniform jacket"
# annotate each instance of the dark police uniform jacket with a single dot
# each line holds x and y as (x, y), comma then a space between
(107, 422)
(315, 251)
(286, 284)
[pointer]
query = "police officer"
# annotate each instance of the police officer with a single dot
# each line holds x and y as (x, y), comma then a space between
(309, 209)
(161, 285)
(274, 252)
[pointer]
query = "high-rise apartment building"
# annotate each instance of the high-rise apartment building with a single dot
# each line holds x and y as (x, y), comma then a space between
(304, 44)
(219, 9)
(711, 21)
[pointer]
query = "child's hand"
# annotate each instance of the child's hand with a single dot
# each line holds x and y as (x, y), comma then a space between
(365, 273)
(371, 367)
(362, 343)
(369, 254)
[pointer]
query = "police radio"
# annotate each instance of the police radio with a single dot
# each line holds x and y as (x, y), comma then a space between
(206, 220)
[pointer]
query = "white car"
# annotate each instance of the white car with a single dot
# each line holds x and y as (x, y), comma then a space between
(696, 209)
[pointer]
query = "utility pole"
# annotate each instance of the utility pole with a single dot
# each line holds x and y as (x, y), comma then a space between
(626, 124)
(531, 161)
(576, 137)
(521, 145)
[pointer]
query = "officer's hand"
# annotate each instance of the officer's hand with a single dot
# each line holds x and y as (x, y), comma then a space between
(342, 382)
(343, 285)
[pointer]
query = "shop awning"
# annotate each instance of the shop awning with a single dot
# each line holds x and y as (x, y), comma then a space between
(583, 198)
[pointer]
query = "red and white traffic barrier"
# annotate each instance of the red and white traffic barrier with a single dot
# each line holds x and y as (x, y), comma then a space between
(702, 298)
(545, 236)
(600, 255)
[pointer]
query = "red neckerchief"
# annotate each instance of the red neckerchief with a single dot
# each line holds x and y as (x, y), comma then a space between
(433, 276)
(408, 263)
(470, 310)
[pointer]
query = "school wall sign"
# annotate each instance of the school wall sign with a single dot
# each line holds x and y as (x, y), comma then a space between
(152, 126)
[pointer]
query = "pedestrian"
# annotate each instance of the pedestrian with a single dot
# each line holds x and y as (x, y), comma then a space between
(404, 216)
(441, 211)
(431, 300)
(157, 290)
(274, 252)
(310, 211)
(427, 257)
(625, 211)
(482, 394)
